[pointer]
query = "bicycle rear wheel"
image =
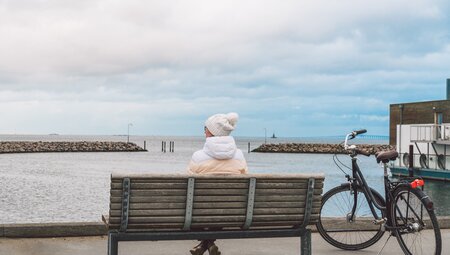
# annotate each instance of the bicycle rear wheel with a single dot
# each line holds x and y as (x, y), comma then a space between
(415, 226)
(335, 225)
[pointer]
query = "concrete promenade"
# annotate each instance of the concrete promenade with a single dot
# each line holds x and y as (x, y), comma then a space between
(96, 245)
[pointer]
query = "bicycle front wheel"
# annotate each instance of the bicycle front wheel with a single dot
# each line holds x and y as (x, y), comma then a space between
(338, 228)
(415, 226)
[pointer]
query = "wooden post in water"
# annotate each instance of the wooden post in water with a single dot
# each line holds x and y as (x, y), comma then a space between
(173, 146)
(164, 146)
(248, 147)
(145, 146)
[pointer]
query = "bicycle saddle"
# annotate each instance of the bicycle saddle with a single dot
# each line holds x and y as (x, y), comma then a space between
(386, 156)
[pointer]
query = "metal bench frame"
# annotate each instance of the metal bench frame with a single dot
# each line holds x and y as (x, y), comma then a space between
(186, 234)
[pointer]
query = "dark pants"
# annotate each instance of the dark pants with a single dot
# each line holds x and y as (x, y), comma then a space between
(210, 229)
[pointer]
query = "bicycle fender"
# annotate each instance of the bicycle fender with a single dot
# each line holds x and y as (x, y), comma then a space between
(429, 205)
(426, 200)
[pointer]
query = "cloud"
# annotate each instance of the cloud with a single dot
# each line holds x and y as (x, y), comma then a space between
(91, 66)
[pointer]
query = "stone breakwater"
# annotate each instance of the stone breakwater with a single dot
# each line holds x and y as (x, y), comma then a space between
(319, 148)
(30, 147)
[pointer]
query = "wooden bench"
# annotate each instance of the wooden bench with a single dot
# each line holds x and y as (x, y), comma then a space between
(149, 207)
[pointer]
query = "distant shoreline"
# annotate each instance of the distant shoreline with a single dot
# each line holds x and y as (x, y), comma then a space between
(318, 148)
(82, 146)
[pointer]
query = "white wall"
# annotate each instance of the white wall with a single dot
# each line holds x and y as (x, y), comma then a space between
(404, 137)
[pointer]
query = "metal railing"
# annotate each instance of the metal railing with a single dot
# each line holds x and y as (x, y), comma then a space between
(430, 133)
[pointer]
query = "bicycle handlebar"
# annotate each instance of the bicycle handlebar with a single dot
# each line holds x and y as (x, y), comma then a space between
(353, 135)
(358, 132)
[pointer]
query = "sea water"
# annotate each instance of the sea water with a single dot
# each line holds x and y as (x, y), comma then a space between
(74, 187)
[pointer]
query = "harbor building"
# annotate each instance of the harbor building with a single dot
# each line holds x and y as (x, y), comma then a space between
(426, 126)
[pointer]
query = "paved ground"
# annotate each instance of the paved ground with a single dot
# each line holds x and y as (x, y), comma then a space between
(97, 245)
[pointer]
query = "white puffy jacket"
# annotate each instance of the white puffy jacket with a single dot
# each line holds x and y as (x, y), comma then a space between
(218, 156)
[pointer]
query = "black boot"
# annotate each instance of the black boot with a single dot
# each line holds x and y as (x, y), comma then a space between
(213, 249)
(200, 248)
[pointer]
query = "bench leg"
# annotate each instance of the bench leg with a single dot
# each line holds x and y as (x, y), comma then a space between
(113, 244)
(305, 243)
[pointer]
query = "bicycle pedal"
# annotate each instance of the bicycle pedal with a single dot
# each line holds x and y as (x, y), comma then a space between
(379, 222)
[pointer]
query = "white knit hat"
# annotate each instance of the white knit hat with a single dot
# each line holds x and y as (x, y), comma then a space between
(222, 124)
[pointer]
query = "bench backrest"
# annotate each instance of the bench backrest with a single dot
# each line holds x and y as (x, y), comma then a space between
(149, 202)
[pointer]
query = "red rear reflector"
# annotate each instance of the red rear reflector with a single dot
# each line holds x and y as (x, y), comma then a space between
(417, 183)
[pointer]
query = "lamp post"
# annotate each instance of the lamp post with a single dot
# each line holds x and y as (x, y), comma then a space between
(128, 135)
(265, 135)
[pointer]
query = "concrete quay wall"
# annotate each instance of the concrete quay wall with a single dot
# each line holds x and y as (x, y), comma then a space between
(67, 229)
(82, 146)
(33, 230)
(318, 148)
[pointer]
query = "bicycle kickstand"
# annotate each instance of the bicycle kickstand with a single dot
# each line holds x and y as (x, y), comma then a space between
(382, 248)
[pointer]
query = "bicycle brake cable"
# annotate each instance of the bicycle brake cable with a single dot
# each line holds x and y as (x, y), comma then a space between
(335, 158)
(349, 168)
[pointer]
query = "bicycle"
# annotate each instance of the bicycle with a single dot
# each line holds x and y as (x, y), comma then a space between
(354, 216)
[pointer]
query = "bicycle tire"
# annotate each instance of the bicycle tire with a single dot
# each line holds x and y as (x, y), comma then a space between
(356, 235)
(414, 224)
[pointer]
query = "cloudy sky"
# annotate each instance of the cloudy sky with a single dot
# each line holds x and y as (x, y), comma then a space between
(298, 68)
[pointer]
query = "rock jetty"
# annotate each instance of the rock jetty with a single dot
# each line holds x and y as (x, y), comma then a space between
(318, 148)
(30, 147)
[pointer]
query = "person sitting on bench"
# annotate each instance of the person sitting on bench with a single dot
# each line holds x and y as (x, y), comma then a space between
(218, 156)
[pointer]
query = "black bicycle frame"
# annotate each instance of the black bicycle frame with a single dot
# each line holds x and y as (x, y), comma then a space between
(359, 181)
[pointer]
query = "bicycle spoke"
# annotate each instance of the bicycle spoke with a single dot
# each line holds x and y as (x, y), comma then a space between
(342, 232)
(408, 217)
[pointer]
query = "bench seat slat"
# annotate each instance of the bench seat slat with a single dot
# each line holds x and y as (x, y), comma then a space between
(211, 219)
(156, 226)
(210, 192)
(285, 198)
(156, 206)
(118, 186)
(215, 205)
(148, 193)
(157, 180)
(175, 199)
(199, 212)
(181, 199)
(243, 185)
(206, 212)
(288, 176)
(177, 227)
